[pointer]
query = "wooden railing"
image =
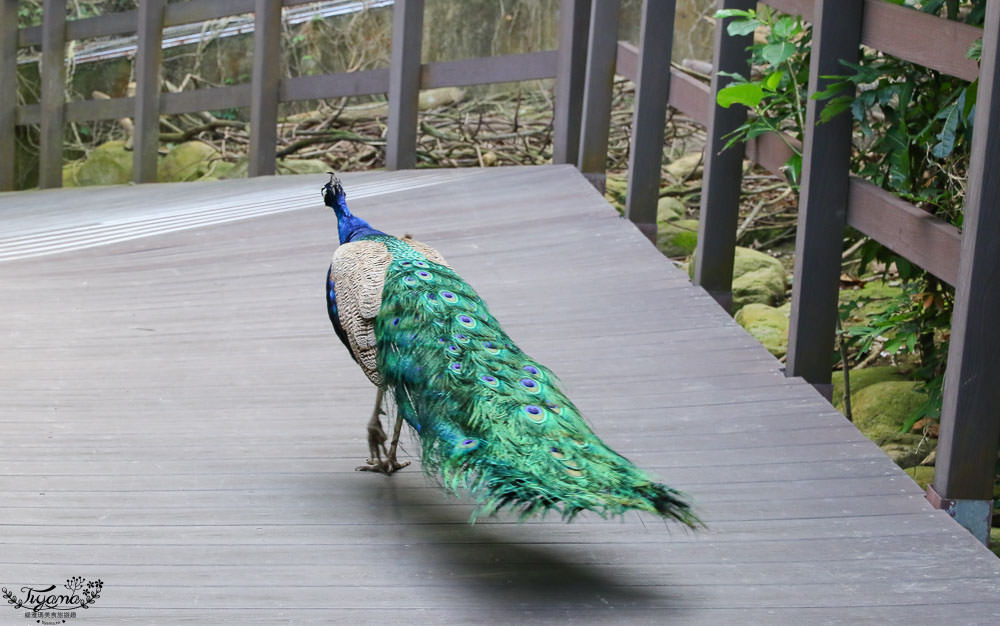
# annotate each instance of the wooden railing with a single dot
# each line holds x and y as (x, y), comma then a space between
(832, 199)
(588, 56)
(402, 80)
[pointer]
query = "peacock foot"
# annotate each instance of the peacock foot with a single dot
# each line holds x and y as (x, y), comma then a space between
(376, 444)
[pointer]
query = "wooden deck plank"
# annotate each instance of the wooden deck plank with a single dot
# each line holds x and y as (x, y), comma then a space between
(179, 421)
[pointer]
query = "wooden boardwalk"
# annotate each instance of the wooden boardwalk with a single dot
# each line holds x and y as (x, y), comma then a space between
(178, 420)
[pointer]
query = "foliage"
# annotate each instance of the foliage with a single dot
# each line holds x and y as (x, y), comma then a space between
(913, 134)
(915, 322)
(775, 92)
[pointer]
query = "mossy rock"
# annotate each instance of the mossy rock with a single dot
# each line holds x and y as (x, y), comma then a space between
(757, 277)
(767, 324)
(677, 238)
(187, 161)
(107, 164)
(923, 476)
(615, 188)
(443, 96)
(363, 112)
(861, 378)
(669, 208)
(907, 450)
(686, 166)
(229, 169)
(69, 172)
(876, 294)
(995, 540)
(302, 166)
(881, 409)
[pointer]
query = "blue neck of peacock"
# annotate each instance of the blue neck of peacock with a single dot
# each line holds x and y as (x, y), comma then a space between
(349, 226)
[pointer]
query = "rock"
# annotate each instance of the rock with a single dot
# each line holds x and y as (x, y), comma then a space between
(861, 378)
(187, 161)
(301, 166)
(615, 188)
(767, 324)
(881, 409)
(906, 451)
(229, 169)
(873, 298)
(677, 238)
(107, 164)
(69, 172)
(434, 98)
(923, 476)
(757, 277)
(669, 208)
(685, 166)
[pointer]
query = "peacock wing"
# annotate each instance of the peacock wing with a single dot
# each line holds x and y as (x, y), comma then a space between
(358, 273)
(432, 255)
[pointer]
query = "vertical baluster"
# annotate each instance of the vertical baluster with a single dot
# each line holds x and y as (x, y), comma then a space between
(53, 72)
(970, 415)
(574, 20)
(8, 96)
(264, 88)
(652, 92)
(602, 49)
(404, 84)
(720, 194)
(148, 58)
(823, 199)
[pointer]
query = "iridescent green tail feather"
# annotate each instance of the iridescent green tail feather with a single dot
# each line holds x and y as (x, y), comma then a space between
(491, 419)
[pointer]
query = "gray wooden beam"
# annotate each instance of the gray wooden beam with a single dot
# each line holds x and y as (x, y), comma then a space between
(652, 92)
(574, 20)
(823, 198)
(404, 84)
(148, 58)
(8, 95)
(723, 174)
(264, 88)
(602, 46)
(970, 415)
(53, 73)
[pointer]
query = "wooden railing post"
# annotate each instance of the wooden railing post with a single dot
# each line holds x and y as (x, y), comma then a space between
(574, 20)
(148, 58)
(264, 88)
(823, 198)
(970, 413)
(404, 84)
(53, 73)
(602, 49)
(8, 95)
(723, 173)
(652, 91)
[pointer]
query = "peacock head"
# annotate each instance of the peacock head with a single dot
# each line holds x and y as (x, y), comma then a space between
(333, 193)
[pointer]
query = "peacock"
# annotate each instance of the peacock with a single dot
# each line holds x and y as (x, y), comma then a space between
(489, 418)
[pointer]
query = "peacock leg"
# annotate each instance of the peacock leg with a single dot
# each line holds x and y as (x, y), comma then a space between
(376, 443)
(390, 457)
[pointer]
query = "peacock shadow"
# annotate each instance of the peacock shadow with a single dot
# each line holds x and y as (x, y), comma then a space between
(513, 566)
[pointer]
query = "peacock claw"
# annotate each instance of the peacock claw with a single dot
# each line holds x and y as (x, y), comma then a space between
(376, 444)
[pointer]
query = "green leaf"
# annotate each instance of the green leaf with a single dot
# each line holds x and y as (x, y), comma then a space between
(786, 27)
(946, 138)
(773, 80)
(777, 53)
(834, 107)
(742, 27)
(724, 13)
(892, 346)
(747, 94)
